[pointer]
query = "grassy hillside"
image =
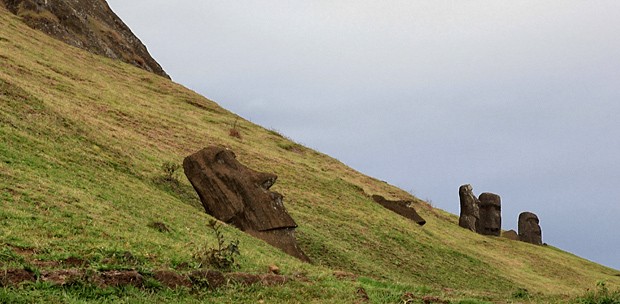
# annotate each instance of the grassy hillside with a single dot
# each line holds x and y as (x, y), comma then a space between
(82, 142)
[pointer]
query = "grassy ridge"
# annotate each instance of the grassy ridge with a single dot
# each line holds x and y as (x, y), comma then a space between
(82, 140)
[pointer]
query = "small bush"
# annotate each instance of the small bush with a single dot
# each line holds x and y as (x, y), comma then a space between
(170, 169)
(222, 257)
(521, 293)
(234, 132)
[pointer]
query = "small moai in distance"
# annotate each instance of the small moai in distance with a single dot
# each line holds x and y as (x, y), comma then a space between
(511, 235)
(529, 228)
(490, 222)
(470, 213)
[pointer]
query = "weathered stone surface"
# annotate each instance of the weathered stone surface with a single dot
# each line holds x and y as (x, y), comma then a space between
(470, 212)
(490, 222)
(87, 24)
(529, 228)
(238, 195)
(402, 208)
(511, 235)
(283, 238)
(274, 269)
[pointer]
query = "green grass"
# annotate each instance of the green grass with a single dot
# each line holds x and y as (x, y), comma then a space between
(82, 144)
(600, 295)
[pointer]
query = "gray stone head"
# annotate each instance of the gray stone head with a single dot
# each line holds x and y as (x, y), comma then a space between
(490, 222)
(469, 208)
(529, 228)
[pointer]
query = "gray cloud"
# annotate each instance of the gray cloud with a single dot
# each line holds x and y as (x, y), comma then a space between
(518, 98)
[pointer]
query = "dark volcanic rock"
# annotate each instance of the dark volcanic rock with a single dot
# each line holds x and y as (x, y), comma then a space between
(490, 222)
(87, 24)
(402, 208)
(238, 195)
(529, 230)
(470, 212)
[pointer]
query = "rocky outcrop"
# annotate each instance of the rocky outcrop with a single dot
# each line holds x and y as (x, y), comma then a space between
(529, 228)
(470, 212)
(490, 214)
(87, 24)
(238, 195)
(402, 208)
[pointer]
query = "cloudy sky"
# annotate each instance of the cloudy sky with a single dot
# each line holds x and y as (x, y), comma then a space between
(519, 98)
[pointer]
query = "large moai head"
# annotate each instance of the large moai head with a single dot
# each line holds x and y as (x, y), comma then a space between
(529, 228)
(238, 195)
(490, 222)
(234, 193)
(469, 208)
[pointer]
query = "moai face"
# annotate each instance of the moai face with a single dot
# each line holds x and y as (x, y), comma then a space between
(234, 193)
(490, 222)
(529, 228)
(240, 196)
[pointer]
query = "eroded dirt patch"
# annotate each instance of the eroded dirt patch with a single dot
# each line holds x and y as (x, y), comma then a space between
(14, 277)
(121, 278)
(171, 279)
(63, 276)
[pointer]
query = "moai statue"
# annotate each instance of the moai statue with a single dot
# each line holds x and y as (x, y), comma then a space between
(529, 230)
(469, 208)
(238, 195)
(490, 222)
(511, 235)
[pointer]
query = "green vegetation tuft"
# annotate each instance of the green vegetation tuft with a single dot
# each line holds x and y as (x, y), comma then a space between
(221, 257)
(82, 143)
(601, 295)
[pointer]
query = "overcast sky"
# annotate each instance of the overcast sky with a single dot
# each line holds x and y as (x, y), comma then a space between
(519, 98)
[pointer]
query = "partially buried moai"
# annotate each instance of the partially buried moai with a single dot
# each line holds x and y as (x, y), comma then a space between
(490, 222)
(529, 228)
(470, 213)
(240, 196)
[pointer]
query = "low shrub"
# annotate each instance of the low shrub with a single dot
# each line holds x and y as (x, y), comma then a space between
(170, 169)
(222, 257)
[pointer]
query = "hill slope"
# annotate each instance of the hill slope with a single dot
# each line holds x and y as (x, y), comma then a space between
(82, 142)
